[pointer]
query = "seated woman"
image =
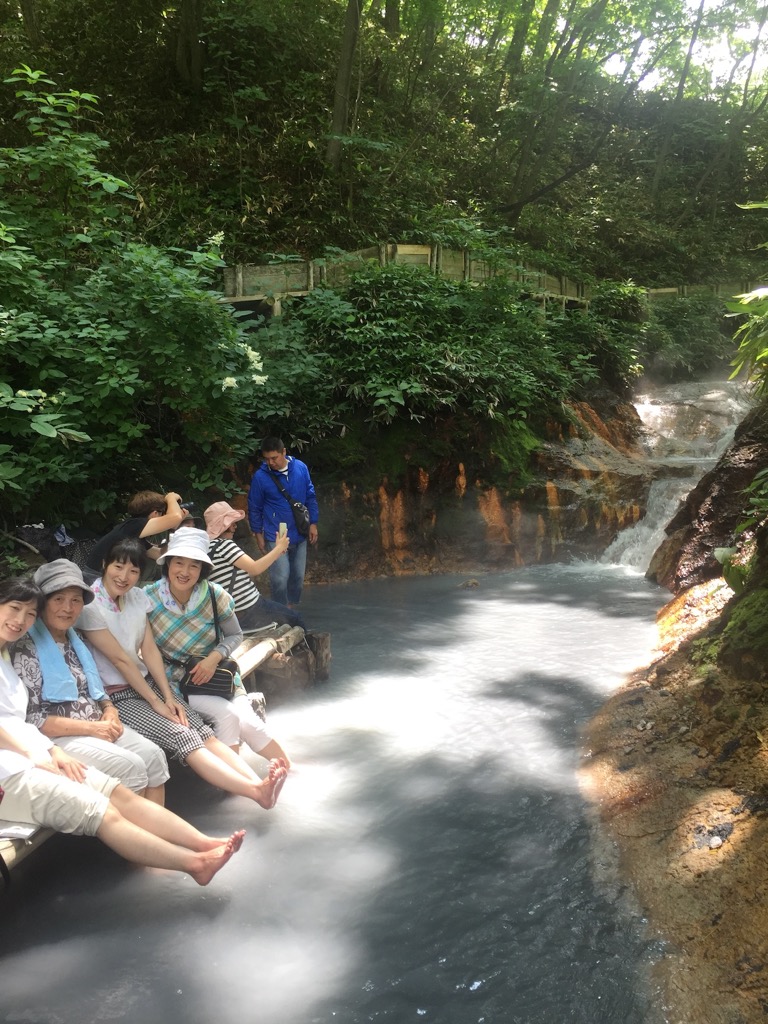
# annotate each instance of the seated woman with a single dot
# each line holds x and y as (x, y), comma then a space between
(233, 570)
(182, 621)
(116, 629)
(43, 785)
(67, 700)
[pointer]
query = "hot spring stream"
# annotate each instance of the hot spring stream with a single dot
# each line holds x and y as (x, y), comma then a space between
(430, 859)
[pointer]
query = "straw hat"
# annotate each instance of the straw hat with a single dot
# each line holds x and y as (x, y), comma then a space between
(187, 542)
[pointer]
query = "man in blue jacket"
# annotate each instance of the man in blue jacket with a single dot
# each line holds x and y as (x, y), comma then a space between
(268, 507)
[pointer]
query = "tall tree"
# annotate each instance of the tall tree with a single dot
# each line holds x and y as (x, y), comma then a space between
(343, 88)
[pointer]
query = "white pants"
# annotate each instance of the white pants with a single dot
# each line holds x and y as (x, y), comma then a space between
(234, 721)
(132, 759)
(38, 797)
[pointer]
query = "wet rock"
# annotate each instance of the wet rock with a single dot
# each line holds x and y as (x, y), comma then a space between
(710, 514)
(729, 749)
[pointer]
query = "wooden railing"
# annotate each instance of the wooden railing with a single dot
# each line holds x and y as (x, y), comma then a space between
(275, 281)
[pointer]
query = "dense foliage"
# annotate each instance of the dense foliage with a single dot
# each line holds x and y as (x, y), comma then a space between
(601, 139)
(445, 362)
(122, 369)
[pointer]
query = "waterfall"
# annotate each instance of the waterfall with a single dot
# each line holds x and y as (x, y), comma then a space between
(688, 426)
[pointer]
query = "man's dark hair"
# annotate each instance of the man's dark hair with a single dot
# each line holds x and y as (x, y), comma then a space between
(272, 444)
(144, 502)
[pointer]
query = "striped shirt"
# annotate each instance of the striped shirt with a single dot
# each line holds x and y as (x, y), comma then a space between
(224, 554)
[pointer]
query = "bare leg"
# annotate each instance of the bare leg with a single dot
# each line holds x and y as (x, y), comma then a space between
(272, 750)
(156, 794)
(231, 757)
(214, 770)
(142, 847)
(161, 822)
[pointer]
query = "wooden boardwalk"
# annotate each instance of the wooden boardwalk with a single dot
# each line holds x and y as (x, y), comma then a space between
(292, 276)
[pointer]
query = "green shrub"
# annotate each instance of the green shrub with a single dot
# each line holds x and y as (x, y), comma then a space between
(122, 369)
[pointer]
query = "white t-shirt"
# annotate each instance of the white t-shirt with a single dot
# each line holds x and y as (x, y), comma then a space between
(127, 626)
(13, 710)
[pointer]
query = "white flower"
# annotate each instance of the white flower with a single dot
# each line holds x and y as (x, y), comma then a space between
(228, 382)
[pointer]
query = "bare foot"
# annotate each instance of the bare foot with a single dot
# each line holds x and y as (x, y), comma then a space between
(206, 843)
(236, 839)
(269, 790)
(211, 862)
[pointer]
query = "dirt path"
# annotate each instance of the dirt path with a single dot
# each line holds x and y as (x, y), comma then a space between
(679, 773)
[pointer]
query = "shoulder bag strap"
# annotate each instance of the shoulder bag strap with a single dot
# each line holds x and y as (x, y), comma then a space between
(215, 614)
(282, 488)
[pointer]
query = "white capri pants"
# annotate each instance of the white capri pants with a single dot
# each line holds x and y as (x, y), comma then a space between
(38, 797)
(234, 721)
(132, 759)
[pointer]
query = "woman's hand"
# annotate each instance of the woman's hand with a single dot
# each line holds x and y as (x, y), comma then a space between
(203, 670)
(109, 727)
(110, 715)
(168, 711)
(282, 543)
(180, 712)
(65, 764)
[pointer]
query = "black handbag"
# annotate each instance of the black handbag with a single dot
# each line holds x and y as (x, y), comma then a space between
(223, 682)
(300, 512)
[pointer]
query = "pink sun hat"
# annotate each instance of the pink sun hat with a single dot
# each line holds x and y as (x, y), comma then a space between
(219, 517)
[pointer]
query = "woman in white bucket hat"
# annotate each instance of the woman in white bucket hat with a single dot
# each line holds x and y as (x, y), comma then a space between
(182, 621)
(117, 630)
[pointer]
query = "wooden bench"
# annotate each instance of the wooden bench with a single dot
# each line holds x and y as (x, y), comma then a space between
(260, 645)
(16, 843)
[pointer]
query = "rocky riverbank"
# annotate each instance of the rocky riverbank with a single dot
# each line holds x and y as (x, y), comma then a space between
(680, 790)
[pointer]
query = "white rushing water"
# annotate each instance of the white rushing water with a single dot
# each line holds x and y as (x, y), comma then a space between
(430, 857)
(688, 427)
(428, 860)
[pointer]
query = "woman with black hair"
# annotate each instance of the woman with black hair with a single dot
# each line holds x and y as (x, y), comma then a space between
(183, 624)
(116, 628)
(45, 786)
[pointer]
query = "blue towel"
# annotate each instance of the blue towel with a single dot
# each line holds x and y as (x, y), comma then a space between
(58, 682)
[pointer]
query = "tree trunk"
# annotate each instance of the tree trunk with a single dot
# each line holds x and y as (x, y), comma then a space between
(666, 142)
(392, 18)
(189, 47)
(31, 26)
(343, 83)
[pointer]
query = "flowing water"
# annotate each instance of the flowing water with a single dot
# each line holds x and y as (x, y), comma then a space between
(430, 859)
(688, 427)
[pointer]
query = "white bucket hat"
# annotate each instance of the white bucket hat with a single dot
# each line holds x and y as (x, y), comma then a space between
(187, 542)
